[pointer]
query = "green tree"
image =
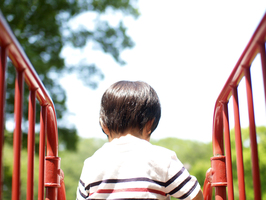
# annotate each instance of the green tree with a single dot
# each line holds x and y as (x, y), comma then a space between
(42, 28)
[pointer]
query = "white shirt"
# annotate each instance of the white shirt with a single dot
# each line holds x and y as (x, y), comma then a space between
(132, 168)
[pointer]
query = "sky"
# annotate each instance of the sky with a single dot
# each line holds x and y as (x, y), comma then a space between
(185, 50)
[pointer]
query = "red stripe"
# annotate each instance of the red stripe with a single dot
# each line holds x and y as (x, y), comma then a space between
(109, 191)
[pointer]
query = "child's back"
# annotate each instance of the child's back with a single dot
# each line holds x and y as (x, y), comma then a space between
(129, 167)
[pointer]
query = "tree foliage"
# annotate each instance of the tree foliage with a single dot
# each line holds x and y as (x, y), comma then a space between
(42, 29)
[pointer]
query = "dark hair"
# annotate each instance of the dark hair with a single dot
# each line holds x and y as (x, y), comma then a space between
(127, 105)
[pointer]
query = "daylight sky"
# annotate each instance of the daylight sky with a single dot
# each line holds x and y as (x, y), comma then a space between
(185, 50)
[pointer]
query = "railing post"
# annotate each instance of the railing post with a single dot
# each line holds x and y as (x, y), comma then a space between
(263, 66)
(52, 161)
(61, 193)
(253, 138)
(43, 132)
(3, 59)
(31, 144)
(207, 188)
(19, 87)
(218, 159)
(239, 149)
(229, 174)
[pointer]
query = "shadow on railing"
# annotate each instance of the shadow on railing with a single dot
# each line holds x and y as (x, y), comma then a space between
(50, 174)
(220, 175)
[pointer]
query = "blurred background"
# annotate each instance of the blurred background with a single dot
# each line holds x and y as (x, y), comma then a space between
(184, 49)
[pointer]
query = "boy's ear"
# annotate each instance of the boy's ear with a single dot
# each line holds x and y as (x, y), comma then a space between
(147, 130)
(149, 125)
(105, 128)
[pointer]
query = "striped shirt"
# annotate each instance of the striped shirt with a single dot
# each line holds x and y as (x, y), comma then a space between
(132, 168)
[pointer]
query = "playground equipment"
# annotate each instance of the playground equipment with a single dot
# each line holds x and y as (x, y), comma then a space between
(220, 175)
(50, 175)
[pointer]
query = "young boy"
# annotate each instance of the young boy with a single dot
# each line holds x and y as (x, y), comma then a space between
(129, 167)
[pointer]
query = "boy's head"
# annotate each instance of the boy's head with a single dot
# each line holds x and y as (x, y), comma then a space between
(127, 105)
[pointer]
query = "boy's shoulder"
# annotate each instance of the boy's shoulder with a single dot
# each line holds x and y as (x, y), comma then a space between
(162, 150)
(135, 147)
(162, 153)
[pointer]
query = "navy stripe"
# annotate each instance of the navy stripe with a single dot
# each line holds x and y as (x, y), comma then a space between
(180, 186)
(124, 181)
(83, 195)
(164, 184)
(82, 183)
(190, 191)
(174, 177)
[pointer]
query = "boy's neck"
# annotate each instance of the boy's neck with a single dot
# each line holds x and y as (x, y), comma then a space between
(134, 133)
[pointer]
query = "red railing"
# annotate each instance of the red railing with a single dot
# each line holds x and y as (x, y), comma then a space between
(50, 176)
(220, 175)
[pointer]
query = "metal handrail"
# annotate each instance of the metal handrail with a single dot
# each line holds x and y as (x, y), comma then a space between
(221, 166)
(50, 174)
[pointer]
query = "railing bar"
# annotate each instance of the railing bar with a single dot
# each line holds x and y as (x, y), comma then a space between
(238, 141)
(20, 60)
(43, 130)
(19, 87)
(263, 65)
(3, 59)
(253, 138)
(227, 140)
(31, 144)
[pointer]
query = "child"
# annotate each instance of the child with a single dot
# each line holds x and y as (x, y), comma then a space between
(129, 167)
